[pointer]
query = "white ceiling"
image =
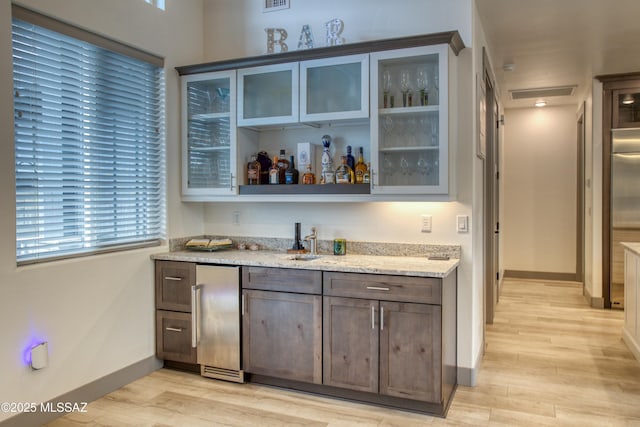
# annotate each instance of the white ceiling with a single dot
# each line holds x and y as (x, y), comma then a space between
(559, 42)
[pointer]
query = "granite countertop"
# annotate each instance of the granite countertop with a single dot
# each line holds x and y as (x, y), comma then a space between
(632, 246)
(351, 263)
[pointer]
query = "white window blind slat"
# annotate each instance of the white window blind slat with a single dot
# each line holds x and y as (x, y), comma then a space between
(89, 147)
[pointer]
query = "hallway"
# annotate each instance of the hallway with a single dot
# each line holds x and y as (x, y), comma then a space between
(551, 360)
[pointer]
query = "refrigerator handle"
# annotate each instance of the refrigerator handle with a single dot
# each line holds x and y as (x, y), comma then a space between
(194, 315)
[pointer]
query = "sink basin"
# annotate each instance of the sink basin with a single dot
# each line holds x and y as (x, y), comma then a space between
(302, 257)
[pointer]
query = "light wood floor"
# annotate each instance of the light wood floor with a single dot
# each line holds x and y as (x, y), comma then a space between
(550, 360)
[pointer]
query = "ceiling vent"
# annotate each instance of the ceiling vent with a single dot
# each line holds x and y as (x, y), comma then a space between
(542, 92)
(273, 5)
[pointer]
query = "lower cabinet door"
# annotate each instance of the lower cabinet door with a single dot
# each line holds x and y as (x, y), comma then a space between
(282, 335)
(173, 336)
(350, 328)
(410, 351)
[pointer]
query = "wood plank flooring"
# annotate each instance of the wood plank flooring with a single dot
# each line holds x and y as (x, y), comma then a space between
(550, 360)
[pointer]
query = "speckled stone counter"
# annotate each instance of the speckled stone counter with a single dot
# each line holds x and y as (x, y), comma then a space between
(351, 263)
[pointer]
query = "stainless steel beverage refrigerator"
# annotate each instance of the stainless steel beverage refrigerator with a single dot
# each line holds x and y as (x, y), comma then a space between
(216, 321)
(625, 203)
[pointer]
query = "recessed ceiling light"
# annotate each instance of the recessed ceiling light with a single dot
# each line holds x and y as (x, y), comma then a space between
(540, 103)
(509, 67)
(628, 99)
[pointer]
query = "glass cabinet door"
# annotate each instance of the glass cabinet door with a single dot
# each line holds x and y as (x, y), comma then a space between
(626, 108)
(334, 88)
(209, 134)
(409, 121)
(268, 95)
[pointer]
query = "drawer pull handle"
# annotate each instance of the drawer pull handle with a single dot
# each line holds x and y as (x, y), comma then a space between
(377, 288)
(382, 318)
(176, 279)
(173, 329)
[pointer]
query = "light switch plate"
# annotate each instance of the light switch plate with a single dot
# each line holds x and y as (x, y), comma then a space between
(426, 224)
(462, 223)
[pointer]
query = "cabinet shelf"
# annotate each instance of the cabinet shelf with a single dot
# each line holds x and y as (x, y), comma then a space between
(208, 117)
(405, 110)
(305, 189)
(405, 149)
(210, 149)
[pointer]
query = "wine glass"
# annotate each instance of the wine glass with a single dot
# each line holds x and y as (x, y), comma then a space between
(422, 166)
(387, 166)
(405, 86)
(386, 87)
(410, 131)
(433, 71)
(422, 82)
(387, 124)
(434, 133)
(404, 166)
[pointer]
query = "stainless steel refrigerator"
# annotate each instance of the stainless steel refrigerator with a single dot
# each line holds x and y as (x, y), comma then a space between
(625, 204)
(216, 321)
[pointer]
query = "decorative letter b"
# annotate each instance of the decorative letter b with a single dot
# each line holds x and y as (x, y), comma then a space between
(271, 39)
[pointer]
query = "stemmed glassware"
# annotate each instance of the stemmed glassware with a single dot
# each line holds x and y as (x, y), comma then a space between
(422, 82)
(405, 86)
(387, 124)
(386, 88)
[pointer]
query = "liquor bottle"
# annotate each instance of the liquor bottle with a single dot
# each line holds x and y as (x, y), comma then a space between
(265, 165)
(274, 172)
(283, 164)
(253, 171)
(328, 174)
(344, 174)
(350, 160)
(360, 168)
(291, 174)
(366, 177)
(308, 177)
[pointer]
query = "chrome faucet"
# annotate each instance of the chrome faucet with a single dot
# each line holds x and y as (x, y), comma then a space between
(313, 241)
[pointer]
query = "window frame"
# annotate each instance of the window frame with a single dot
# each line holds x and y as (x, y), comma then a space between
(156, 182)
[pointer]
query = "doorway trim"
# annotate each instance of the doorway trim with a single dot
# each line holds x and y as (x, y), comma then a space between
(490, 188)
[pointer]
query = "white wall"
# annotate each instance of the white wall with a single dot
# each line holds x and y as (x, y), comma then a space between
(236, 29)
(539, 174)
(97, 313)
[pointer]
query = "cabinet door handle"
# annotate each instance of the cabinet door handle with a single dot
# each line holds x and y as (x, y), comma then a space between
(377, 288)
(382, 318)
(231, 182)
(173, 329)
(243, 304)
(176, 279)
(373, 317)
(373, 179)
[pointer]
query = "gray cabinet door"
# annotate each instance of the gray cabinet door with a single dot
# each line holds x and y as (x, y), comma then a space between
(173, 336)
(282, 335)
(410, 351)
(350, 328)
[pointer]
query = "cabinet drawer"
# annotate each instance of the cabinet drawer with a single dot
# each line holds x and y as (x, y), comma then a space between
(282, 279)
(173, 337)
(381, 287)
(173, 285)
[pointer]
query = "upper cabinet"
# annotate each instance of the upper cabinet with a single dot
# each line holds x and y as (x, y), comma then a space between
(268, 95)
(390, 97)
(209, 134)
(334, 89)
(626, 108)
(409, 121)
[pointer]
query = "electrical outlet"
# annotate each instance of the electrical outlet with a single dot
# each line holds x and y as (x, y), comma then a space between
(426, 224)
(235, 217)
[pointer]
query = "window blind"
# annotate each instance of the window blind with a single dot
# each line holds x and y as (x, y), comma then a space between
(89, 147)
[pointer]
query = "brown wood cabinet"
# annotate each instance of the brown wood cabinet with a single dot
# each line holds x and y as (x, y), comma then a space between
(173, 281)
(282, 331)
(384, 346)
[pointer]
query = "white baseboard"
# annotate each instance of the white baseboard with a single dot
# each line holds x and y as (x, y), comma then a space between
(632, 343)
